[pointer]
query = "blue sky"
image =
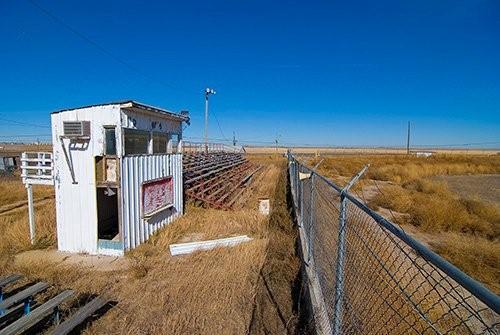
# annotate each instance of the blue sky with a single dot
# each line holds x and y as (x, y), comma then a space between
(332, 72)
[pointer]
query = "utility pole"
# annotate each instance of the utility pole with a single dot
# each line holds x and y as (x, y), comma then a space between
(208, 91)
(408, 140)
(276, 141)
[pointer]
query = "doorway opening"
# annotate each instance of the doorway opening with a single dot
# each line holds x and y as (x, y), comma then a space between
(107, 214)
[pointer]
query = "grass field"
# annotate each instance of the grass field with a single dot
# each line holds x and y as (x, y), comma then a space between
(14, 217)
(250, 288)
(364, 150)
(222, 291)
(414, 192)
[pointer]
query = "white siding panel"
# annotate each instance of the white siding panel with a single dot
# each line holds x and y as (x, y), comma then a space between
(135, 171)
(76, 204)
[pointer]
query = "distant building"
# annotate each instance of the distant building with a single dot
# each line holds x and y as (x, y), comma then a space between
(423, 153)
(9, 162)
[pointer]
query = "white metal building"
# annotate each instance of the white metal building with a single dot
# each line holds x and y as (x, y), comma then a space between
(117, 174)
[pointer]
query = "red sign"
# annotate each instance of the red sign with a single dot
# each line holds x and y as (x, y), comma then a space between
(157, 195)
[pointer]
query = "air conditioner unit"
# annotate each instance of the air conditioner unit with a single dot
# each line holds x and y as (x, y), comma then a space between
(76, 129)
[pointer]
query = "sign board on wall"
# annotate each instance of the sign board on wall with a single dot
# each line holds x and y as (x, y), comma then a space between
(157, 195)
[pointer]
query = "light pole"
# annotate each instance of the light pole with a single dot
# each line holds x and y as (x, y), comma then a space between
(208, 91)
(408, 140)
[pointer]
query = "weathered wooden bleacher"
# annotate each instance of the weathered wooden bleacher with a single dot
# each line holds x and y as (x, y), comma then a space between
(19, 311)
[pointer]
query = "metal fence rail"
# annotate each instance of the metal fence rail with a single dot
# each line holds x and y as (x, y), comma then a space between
(198, 147)
(367, 276)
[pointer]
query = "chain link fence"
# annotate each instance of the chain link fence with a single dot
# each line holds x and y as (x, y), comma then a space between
(367, 276)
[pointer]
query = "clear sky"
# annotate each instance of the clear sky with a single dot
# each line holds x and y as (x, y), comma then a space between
(332, 72)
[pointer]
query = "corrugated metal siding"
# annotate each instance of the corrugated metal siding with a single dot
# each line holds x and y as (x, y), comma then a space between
(76, 204)
(134, 171)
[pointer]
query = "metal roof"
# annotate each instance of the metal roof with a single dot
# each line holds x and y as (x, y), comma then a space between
(134, 105)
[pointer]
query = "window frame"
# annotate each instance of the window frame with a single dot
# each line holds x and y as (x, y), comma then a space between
(165, 136)
(106, 128)
(137, 131)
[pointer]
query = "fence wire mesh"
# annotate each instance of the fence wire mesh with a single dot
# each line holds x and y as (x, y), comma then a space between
(366, 280)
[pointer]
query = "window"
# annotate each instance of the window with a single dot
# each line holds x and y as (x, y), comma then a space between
(136, 141)
(159, 143)
(110, 139)
(174, 138)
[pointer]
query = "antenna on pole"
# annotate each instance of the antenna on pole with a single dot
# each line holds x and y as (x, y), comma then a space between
(408, 140)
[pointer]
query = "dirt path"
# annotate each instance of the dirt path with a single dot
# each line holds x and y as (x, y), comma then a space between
(485, 187)
(274, 307)
(20, 204)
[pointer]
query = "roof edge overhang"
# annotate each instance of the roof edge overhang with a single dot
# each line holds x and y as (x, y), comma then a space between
(137, 106)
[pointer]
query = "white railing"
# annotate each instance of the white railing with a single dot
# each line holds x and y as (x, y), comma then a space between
(198, 147)
(36, 169)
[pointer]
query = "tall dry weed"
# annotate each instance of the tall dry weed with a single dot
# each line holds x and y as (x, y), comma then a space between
(477, 256)
(468, 229)
(402, 168)
(14, 228)
(12, 190)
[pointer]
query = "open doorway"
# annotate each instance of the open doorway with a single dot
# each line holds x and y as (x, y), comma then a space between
(107, 214)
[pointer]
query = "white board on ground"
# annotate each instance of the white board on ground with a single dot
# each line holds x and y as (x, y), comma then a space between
(187, 248)
(264, 206)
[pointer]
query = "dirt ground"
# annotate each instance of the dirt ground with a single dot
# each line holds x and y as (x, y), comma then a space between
(247, 289)
(482, 187)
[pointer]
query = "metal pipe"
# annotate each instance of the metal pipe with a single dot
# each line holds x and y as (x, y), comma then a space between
(31, 212)
(206, 122)
(311, 218)
(212, 172)
(339, 269)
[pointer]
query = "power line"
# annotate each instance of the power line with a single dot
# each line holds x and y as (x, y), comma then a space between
(220, 129)
(30, 135)
(100, 47)
(312, 145)
(24, 123)
(456, 145)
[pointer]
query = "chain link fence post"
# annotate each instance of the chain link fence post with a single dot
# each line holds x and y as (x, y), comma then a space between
(311, 221)
(301, 198)
(339, 267)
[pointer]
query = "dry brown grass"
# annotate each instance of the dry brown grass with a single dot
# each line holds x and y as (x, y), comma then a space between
(14, 227)
(274, 310)
(477, 256)
(432, 207)
(362, 151)
(206, 292)
(12, 190)
(402, 168)
(436, 209)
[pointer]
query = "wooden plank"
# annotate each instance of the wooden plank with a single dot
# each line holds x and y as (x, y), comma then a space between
(4, 281)
(83, 313)
(23, 295)
(37, 315)
(10, 313)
